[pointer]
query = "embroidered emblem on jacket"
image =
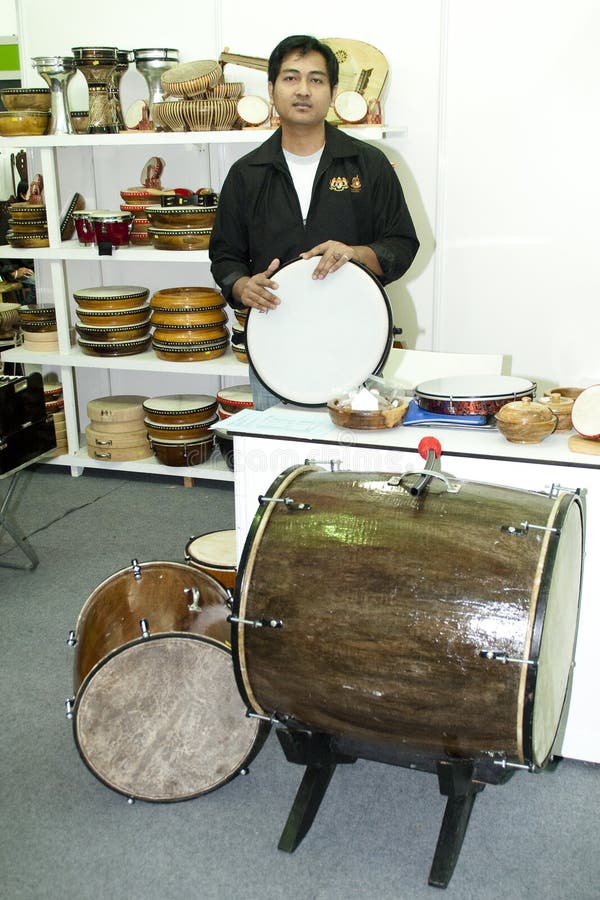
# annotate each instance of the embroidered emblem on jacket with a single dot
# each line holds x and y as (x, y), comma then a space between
(338, 183)
(356, 184)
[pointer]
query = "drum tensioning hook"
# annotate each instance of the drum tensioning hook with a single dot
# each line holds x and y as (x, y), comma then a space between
(256, 623)
(508, 764)
(500, 657)
(523, 529)
(335, 465)
(287, 501)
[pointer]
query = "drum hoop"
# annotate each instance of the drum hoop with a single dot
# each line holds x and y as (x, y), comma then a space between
(246, 564)
(259, 735)
(384, 353)
(533, 643)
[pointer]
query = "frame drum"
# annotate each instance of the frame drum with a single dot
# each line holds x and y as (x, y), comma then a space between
(157, 715)
(325, 338)
(443, 624)
(215, 553)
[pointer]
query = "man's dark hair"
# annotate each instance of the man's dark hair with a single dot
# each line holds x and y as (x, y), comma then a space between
(22, 189)
(303, 44)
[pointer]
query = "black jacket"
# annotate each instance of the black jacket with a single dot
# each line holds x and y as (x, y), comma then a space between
(357, 199)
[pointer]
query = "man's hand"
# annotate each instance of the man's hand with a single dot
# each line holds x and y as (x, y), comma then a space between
(333, 256)
(256, 291)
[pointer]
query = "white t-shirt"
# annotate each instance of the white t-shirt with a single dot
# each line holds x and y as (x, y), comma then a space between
(303, 170)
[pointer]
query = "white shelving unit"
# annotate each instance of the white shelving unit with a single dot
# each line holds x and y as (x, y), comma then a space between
(60, 255)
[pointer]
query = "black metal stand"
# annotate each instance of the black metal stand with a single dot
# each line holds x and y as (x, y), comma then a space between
(9, 525)
(459, 780)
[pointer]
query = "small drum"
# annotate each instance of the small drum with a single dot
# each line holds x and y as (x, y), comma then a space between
(325, 338)
(464, 395)
(351, 107)
(443, 624)
(157, 715)
(214, 553)
(112, 227)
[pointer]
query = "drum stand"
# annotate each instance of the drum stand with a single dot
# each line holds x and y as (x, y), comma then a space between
(460, 780)
(8, 524)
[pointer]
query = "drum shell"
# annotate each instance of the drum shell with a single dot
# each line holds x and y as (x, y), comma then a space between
(206, 318)
(103, 440)
(181, 216)
(119, 332)
(110, 298)
(187, 352)
(235, 398)
(187, 298)
(215, 554)
(171, 335)
(110, 317)
(160, 596)
(180, 409)
(183, 452)
(389, 653)
(179, 432)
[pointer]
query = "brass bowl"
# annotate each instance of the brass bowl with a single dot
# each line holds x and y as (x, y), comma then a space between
(366, 419)
(23, 123)
(525, 421)
(17, 99)
(180, 238)
(179, 217)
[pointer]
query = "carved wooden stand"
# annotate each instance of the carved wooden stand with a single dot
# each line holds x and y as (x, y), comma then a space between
(459, 780)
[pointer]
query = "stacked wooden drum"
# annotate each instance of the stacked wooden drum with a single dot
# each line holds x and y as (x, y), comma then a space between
(179, 428)
(114, 320)
(53, 399)
(182, 227)
(189, 324)
(116, 431)
(38, 325)
(231, 400)
(27, 226)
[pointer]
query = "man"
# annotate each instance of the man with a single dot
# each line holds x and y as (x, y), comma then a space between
(309, 191)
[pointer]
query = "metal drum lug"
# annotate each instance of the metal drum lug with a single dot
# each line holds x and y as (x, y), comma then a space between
(71, 640)
(194, 606)
(287, 501)
(136, 569)
(256, 623)
(144, 628)
(500, 657)
(69, 704)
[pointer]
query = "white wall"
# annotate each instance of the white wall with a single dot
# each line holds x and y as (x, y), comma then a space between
(499, 165)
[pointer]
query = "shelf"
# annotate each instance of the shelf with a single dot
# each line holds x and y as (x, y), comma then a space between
(227, 364)
(215, 469)
(158, 138)
(74, 251)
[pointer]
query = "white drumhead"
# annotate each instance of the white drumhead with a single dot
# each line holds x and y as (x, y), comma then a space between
(350, 106)
(253, 110)
(586, 412)
(558, 637)
(466, 387)
(236, 395)
(326, 337)
(175, 404)
(111, 292)
(217, 548)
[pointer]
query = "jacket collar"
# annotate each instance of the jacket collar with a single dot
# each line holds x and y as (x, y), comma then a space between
(337, 144)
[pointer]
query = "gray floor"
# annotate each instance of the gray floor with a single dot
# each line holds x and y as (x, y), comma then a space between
(66, 835)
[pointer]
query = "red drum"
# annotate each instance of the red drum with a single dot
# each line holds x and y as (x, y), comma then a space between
(443, 624)
(215, 554)
(464, 395)
(325, 338)
(112, 227)
(235, 398)
(157, 715)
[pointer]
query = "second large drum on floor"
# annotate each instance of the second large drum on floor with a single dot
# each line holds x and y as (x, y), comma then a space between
(157, 715)
(443, 624)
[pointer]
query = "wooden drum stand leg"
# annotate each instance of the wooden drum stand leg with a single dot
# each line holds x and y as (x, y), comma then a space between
(456, 783)
(317, 753)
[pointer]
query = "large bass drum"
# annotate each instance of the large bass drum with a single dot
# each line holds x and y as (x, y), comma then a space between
(157, 715)
(443, 624)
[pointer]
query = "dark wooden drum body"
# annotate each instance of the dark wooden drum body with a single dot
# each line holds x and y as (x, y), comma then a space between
(394, 613)
(157, 715)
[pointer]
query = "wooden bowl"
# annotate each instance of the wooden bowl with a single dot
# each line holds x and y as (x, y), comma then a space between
(17, 99)
(180, 238)
(525, 421)
(562, 407)
(23, 123)
(346, 417)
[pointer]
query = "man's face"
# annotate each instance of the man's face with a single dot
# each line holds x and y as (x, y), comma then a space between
(302, 94)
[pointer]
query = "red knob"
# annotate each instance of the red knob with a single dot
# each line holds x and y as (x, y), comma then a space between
(429, 443)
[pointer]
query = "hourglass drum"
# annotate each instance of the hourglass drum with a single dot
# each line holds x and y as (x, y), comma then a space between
(97, 65)
(151, 62)
(114, 81)
(57, 71)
